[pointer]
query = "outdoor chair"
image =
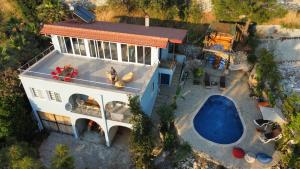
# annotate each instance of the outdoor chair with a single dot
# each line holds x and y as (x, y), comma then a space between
(207, 80)
(267, 137)
(222, 82)
(262, 123)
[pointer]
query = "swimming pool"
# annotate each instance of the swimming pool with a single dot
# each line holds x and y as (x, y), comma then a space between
(218, 120)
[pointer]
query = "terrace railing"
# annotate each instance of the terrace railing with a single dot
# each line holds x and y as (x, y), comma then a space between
(36, 59)
(25, 68)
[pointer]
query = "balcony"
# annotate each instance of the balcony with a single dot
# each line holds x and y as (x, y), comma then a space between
(83, 104)
(118, 111)
(91, 72)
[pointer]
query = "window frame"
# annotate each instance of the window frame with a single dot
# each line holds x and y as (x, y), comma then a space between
(37, 93)
(56, 95)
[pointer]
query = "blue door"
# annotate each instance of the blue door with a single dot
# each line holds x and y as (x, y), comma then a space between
(164, 79)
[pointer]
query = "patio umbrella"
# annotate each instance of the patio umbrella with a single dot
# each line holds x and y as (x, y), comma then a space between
(272, 114)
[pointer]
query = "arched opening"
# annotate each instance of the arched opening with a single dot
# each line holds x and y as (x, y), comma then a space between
(117, 111)
(83, 104)
(89, 130)
(119, 135)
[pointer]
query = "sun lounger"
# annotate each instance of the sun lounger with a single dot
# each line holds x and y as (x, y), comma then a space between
(266, 138)
(222, 82)
(207, 80)
(262, 123)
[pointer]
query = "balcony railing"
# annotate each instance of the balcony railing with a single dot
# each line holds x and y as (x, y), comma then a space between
(35, 59)
(118, 112)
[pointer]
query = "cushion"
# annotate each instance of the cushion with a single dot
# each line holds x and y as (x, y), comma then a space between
(250, 157)
(238, 153)
(263, 158)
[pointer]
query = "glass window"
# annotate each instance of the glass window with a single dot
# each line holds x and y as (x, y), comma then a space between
(124, 53)
(62, 44)
(92, 47)
(106, 50)
(82, 47)
(68, 45)
(171, 47)
(131, 52)
(76, 46)
(114, 52)
(100, 50)
(54, 96)
(37, 93)
(147, 55)
(140, 54)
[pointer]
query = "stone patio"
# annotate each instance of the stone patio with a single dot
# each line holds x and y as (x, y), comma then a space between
(237, 89)
(90, 155)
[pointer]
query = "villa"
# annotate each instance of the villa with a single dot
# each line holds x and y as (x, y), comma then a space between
(70, 86)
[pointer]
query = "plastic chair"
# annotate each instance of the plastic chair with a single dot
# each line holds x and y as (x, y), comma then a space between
(58, 70)
(67, 79)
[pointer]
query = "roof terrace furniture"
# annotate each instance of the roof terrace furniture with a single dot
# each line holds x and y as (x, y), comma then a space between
(207, 81)
(222, 82)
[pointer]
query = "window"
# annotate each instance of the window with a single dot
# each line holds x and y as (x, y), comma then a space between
(76, 46)
(54, 96)
(124, 52)
(93, 48)
(147, 55)
(140, 54)
(37, 93)
(100, 49)
(61, 42)
(68, 45)
(82, 47)
(131, 52)
(114, 52)
(106, 50)
(171, 47)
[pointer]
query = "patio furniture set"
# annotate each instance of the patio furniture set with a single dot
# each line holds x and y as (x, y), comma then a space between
(208, 83)
(65, 73)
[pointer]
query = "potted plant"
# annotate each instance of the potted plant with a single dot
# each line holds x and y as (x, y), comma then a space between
(198, 73)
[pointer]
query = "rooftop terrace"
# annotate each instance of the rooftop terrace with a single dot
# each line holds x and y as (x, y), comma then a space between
(91, 72)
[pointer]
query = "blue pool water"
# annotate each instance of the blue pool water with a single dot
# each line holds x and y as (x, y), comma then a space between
(218, 120)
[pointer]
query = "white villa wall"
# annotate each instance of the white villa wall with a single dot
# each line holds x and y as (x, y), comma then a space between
(66, 90)
(148, 99)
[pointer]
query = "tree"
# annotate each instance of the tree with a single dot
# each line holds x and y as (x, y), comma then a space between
(15, 111)
(19, 156)
(255, 10)
(141, 140)
(51, 11)
(61, 158)
(268, 76)
(291, 131)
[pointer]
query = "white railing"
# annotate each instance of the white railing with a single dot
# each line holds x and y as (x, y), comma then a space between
(25, 68)
(36, 59)
(82, 81)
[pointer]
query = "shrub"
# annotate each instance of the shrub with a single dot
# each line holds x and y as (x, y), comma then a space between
(62, 158)
(169, 140)
(198, 72)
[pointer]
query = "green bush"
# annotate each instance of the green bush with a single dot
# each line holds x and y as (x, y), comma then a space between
(62, 158)
(169, 140)
(252, 58)
(198, 72)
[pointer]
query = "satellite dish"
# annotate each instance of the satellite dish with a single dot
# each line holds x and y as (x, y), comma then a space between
(69, 107)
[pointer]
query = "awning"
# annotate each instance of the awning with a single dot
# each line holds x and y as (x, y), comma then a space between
(272, 114)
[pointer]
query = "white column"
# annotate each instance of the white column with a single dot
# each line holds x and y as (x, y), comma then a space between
(73, 122)
(55, 42)
(87, 49)
(119, 51)
(40, 125)
(105, 127)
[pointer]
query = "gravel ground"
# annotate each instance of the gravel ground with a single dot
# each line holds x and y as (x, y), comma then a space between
(90, 155)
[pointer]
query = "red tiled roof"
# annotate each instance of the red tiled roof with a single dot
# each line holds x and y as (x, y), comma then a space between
(117, 32)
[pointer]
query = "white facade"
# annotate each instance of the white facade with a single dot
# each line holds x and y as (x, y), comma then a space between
(53, 97)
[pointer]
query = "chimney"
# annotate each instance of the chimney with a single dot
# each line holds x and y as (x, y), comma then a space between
(147, 20)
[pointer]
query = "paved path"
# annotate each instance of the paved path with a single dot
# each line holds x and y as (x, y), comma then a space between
(238, 90)
(90, 155)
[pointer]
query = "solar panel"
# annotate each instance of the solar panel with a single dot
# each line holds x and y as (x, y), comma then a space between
(84, 14)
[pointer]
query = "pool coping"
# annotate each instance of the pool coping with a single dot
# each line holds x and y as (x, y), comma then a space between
(241, 117)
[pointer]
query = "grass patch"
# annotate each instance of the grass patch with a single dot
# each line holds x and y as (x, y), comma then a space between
(290, 20)
(10, 8)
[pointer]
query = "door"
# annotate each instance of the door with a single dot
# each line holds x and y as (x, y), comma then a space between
(164, 79)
